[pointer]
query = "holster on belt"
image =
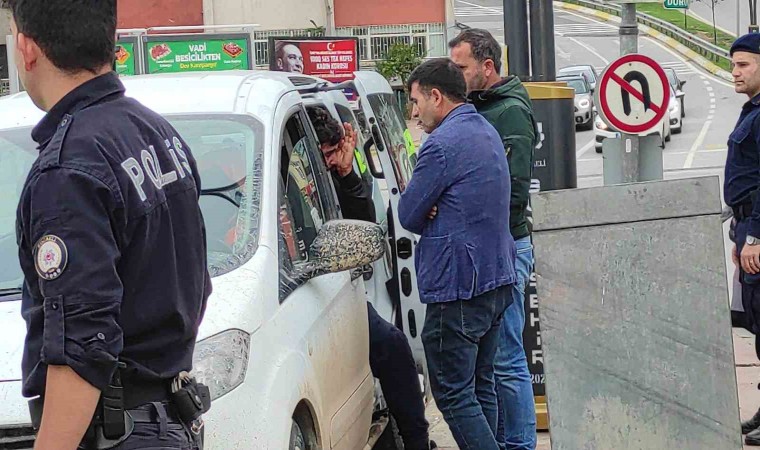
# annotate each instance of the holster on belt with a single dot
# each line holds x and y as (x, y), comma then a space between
(110, 425)
(192, 400)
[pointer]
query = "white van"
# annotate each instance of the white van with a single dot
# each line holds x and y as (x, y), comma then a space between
(284, 351)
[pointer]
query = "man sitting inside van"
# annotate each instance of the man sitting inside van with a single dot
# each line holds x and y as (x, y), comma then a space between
(390, 356)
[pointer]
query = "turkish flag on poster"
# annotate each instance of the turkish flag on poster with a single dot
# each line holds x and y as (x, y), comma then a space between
(334, 60)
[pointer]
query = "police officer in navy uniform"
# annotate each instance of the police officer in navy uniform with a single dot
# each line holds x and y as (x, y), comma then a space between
(742, 182)
(111, 242)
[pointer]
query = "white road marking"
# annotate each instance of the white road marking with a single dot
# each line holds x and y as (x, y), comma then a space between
(589, 48)
(696, 145)
(488, 10)
(585, 148)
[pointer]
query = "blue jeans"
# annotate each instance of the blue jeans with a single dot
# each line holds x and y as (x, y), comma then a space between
(460, 340)
(517, 410)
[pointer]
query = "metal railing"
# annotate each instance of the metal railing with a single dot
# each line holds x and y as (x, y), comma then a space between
(374, 41)
(706, 49)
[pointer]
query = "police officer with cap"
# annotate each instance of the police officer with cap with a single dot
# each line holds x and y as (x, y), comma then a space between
(111, 243)
(742, 181)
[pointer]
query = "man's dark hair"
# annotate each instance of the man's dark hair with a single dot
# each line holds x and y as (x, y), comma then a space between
(484, 46)
(441, 74)
(75, 35)
(329, 131)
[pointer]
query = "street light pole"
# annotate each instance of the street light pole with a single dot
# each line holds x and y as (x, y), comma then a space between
(629, 30)
(629, 43)
(542, 40)
(516, 37)
(738, 26)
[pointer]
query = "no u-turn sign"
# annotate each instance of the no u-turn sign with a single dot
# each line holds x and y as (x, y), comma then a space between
(633, 94)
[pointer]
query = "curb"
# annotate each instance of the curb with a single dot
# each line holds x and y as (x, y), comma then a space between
(688, 53)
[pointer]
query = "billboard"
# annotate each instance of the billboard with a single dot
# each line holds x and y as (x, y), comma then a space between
(334, 59)
(126, 56)
(197, 53)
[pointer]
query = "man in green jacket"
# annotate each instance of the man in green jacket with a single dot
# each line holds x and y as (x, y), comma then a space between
(506, 105)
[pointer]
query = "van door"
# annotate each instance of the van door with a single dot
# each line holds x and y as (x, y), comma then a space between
(379, 274)
(397, 154)
(330, 309)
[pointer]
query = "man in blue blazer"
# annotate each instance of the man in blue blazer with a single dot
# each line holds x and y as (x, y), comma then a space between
(458, 201)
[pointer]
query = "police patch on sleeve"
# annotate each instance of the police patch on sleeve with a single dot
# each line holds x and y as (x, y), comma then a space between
(50, 257)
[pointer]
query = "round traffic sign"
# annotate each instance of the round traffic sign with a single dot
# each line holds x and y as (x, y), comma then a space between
(633, 94)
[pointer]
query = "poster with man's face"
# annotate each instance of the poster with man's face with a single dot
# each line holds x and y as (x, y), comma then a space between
(332, 58)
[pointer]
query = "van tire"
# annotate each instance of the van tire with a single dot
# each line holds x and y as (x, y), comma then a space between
(390, 439)
(303, 434)
(297, 440)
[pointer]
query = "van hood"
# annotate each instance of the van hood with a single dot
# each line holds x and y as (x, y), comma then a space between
(12, 334)
(238, 301)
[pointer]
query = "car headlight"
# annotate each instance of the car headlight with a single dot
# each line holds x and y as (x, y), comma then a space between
(220, 361)
(601, 125)
(584, 103)
(673, 106)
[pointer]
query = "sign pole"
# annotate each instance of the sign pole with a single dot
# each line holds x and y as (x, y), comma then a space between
(629, 43)
(630, 158)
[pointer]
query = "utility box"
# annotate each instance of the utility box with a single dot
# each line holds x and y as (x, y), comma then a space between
(635, 323)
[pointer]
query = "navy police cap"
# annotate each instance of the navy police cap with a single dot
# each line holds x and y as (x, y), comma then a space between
(748, 43)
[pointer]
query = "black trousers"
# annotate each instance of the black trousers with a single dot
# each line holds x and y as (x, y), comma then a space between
(391, 360)
(750, 284)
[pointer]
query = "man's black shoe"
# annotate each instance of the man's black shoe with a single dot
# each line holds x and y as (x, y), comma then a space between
(752, 424)
(753, 438)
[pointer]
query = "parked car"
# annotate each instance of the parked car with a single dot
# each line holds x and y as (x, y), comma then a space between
(583, 70)
(676, 83)
(602, 132)
(584, 101)
(284, 342)
(675, 113)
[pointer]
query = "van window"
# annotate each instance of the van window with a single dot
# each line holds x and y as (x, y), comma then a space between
(307, 188)
(393, 129)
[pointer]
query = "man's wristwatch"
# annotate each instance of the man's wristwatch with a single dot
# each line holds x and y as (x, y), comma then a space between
(751, 240)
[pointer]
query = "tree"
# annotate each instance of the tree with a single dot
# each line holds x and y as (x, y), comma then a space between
(712, 4)
(399, 62)
(316, 30)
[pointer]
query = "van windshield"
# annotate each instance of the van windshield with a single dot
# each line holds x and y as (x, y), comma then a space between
(228, 151)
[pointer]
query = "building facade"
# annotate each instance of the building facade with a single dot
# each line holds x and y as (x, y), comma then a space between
(377, 24)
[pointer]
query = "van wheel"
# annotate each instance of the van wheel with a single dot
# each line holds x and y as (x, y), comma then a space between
(390, 439)
(297, 440)
(303, 431)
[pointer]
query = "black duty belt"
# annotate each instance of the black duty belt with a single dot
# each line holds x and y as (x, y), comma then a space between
(151, 414)
(139, 393)
(742, 211)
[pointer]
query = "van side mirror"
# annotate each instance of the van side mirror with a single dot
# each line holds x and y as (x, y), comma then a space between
(343, 245)
(681, 83)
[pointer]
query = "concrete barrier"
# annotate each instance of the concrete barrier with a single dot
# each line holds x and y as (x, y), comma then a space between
(635, 320)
